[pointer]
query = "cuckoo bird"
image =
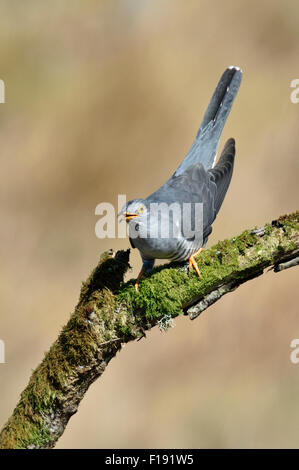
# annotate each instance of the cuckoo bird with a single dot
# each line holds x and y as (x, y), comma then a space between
(197, 187)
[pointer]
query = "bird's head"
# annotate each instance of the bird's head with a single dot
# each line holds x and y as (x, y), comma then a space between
(134, 209)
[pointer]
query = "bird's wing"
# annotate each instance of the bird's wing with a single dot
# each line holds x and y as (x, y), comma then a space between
(205, 146)
(222, 172)
(195, 185)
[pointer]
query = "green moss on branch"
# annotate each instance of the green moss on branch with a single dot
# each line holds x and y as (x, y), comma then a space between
(110, 313)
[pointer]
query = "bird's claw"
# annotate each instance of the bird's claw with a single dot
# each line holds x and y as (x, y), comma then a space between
(193, 263)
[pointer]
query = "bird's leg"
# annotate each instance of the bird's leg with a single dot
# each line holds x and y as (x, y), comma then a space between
(147, 266)
(140, 276)
(193, 263)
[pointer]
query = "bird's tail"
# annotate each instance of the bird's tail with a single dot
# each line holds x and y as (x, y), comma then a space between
(205, 146)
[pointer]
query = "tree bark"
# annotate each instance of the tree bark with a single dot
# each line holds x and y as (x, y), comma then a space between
(110, 313)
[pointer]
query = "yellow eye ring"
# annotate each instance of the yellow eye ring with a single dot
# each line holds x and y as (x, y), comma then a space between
(141, 209)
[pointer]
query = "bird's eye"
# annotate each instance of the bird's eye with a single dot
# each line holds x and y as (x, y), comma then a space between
(141, 210)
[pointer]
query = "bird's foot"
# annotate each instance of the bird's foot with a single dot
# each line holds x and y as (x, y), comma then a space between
(140, 276)
(193, 263)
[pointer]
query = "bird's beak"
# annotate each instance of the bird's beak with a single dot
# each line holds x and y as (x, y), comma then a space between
(129, 216)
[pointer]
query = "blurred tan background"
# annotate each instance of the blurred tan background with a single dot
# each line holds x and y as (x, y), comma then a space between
(105, 98)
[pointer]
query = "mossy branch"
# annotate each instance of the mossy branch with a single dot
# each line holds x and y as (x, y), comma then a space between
(110, 313)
